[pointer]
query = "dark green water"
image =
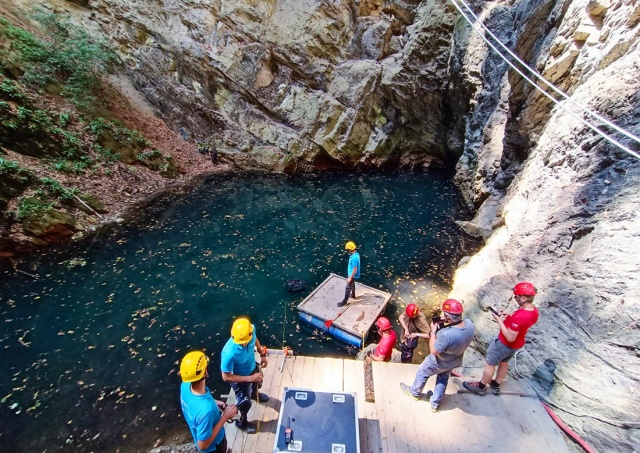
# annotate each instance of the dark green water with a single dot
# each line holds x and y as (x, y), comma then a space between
(89, 348)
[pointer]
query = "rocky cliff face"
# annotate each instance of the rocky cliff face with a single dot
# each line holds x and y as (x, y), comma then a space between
(557, 204)
(304, 85)
(293, 86)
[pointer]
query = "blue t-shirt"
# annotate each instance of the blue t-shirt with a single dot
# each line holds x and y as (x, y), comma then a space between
(238, 359)
(201, 413)
(354, 261)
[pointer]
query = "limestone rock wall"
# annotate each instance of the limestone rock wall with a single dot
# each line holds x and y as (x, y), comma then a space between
(318, 84)
(293, 86)
(558, 205)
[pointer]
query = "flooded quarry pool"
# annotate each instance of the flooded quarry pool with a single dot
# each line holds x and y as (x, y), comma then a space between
(91, 339)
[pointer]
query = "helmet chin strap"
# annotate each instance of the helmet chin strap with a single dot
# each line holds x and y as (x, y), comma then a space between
(520, 304)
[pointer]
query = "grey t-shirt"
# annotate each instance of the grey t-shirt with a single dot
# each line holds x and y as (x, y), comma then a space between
(451, 342)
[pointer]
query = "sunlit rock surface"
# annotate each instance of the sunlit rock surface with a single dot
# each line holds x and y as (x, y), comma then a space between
(558, 205)
(293, 86)
(304, 85)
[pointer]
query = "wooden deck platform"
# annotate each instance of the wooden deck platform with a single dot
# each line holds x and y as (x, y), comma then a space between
(514, 421)
(355, 319)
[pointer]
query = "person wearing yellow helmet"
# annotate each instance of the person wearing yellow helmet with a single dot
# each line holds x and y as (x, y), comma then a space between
(353, 272)
(204, 415)
(240, 370)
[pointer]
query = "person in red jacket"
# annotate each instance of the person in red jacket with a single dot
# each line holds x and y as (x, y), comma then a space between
(511, 337)
(384, 350)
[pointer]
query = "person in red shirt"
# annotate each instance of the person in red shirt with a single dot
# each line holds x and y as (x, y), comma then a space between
(384, 349)
(511, 337)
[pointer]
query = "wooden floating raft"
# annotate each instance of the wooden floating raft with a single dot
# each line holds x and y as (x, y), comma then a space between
(351, 323)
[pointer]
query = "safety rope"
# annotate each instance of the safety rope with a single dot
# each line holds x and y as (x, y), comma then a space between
(284, 324)
(257, 405)
(557, 90)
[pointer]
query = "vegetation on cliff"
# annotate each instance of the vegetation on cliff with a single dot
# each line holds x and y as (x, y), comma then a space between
(60, 135)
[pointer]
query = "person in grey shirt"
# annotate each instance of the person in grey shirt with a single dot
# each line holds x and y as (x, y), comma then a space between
(447, 344)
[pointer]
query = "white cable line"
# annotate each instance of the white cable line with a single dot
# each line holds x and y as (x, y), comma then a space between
(586, 123)
(546, 82)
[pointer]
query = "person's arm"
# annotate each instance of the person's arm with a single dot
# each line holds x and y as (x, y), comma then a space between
(230, 377)
(404, 326)
(509, 335)
(229, 412)
(375, 357)
(263, 356)
(432, 340)
(353, 272)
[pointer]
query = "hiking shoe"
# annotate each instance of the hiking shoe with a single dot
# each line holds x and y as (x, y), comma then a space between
(495, 390)
(474, 387)
(407, 391)
(246, 426)
(263, 397)
(429, 395)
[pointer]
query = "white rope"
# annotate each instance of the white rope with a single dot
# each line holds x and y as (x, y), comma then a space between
(582, 120)
(549, 84)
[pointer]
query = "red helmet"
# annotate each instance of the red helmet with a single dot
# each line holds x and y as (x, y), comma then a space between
(412, 310)
(383, 323)
(452, 306)
(524, 289)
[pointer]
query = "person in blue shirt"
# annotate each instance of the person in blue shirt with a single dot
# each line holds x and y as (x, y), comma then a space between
(353, 272)
(239, 368)
(204, 415)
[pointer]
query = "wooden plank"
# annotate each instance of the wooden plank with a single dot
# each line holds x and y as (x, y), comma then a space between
(332, 375)
(260, 413)
(402, 424)
(396, 423)
(373, 427)
(230, 428)
(417, 415)
(508, 387)
(451, 412)
(240, 441)
(297, 376)
(362, 312)
(489, 409)
(282, 379)
(538, 428)
(307, 375)
(380, 381)
(352, 369)
(272, 407)
(317, 378)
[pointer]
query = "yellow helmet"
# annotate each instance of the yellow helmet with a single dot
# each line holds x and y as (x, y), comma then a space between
(241, 331)
(350, 246)
(193, 366)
